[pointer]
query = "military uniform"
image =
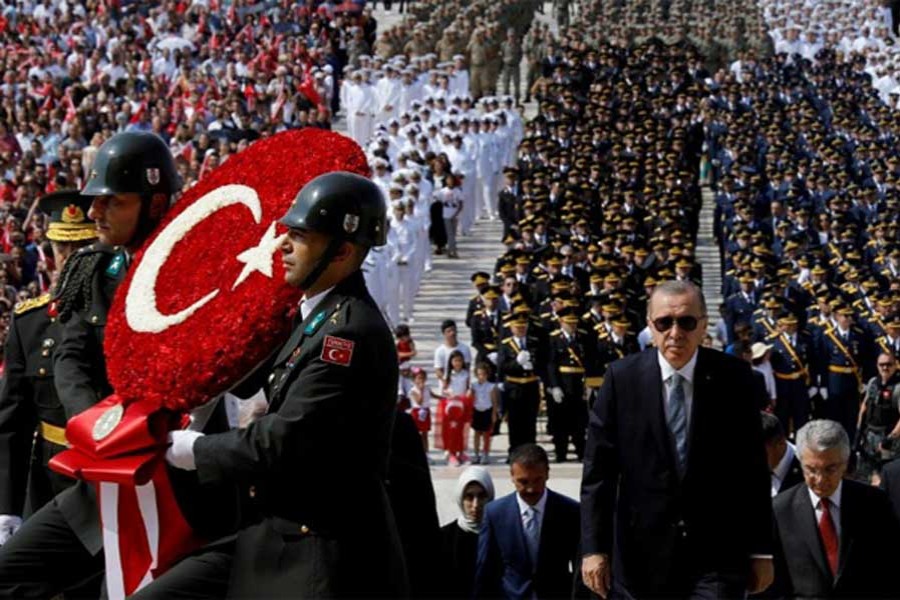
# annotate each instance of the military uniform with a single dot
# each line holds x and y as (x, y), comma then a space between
(521, 388)
(511, 57)
(794, 371)
(571, 366)
(842, 370)
(331, 400)
(30, 410)
(70, 524)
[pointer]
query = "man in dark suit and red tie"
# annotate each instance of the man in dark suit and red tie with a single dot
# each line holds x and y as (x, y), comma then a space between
(835, 538)
(675, 498)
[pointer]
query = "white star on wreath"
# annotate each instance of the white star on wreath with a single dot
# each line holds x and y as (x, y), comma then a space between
(259, 258)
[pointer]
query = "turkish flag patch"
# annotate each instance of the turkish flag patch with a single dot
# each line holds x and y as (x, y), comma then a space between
(337, 350)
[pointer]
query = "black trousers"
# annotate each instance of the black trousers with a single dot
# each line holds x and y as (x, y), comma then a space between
(202, 575)
(569, 422)
(45, 558)
(521, 401)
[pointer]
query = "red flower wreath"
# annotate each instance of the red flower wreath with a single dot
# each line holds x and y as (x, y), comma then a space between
(203, 305)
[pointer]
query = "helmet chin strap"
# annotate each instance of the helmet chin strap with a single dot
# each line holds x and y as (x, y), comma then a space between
(322, 263)
(145, 224)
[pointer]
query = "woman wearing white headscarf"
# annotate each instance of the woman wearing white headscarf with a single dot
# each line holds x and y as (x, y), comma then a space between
(474, 490)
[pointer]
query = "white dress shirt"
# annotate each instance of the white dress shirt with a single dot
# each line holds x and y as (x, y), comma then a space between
(781, 470)
(834, 509)
(540, 507)
(307, 305)
(687, 374)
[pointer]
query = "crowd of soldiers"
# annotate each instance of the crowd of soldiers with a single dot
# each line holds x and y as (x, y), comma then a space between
(604, 203)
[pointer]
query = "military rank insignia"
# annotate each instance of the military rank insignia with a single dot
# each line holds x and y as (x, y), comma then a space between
(115, 265)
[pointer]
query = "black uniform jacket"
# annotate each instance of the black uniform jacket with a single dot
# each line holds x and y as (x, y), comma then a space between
(318, 459)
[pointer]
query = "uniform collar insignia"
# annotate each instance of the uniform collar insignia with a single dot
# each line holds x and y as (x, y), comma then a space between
(315, 323)
(115, 265)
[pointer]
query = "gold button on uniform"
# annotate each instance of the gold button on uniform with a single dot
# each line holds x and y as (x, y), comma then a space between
(45, 353)
(304, 529)
(42, 371)
(94, 319)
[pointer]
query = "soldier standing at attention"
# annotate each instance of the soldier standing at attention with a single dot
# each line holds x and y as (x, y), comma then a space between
(572, 371)
(511, 55)
(28, 399)
(478, 67)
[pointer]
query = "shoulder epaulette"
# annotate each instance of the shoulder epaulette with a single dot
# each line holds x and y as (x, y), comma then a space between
(26, 305)
(556, 332)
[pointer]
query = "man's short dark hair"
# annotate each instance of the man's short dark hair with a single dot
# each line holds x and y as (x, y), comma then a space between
(529, 455)
(446, 324)
(771, 428)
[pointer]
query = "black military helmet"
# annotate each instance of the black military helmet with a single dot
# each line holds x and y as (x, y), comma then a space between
(133, 162)
(345, 205)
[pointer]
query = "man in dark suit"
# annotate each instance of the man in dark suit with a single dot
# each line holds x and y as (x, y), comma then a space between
(781, 455)
(675, 492)
(331, 405)
(834, 537)
(529, 539)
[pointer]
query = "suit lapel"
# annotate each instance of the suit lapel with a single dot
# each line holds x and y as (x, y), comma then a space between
(848, 529)
(808, 530)
(513, 525)
(703, 381)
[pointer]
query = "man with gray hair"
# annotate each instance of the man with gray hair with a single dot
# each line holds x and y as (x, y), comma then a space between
(835, 537)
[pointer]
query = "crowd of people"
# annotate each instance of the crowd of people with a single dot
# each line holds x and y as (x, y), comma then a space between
(866, 29)
(207, 77)
(436, 143)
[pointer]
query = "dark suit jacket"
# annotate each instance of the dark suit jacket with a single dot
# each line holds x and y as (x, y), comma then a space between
(636, 506)
(326, 530)
(867, 557)
(504, 568)
(890, 483)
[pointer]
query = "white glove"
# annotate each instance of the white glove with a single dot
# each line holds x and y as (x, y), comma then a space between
(523, 357)
(813, 391)
(9, 524)
(824, 392)
(557, 394)
(181, 451)
(492, 356)
(528, 366)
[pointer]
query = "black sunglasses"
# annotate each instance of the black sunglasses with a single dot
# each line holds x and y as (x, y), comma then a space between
(686, 323)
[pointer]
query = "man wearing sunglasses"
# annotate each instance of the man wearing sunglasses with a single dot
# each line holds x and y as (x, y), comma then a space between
(675, 469)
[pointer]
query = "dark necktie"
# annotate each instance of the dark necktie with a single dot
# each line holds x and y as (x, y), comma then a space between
(678, 417)
(829, 535)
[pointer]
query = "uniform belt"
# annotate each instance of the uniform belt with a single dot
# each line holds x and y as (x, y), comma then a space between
(593, 381)
(530, 379)
(53, 434)
(578, 370)
(790, 376)
(842, 369)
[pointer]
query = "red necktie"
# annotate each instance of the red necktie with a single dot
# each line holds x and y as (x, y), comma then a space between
(829, 535)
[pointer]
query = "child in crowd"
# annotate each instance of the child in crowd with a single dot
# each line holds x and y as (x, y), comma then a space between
(419, 399)
(456, 408)
(485, 412)
(406, 347)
